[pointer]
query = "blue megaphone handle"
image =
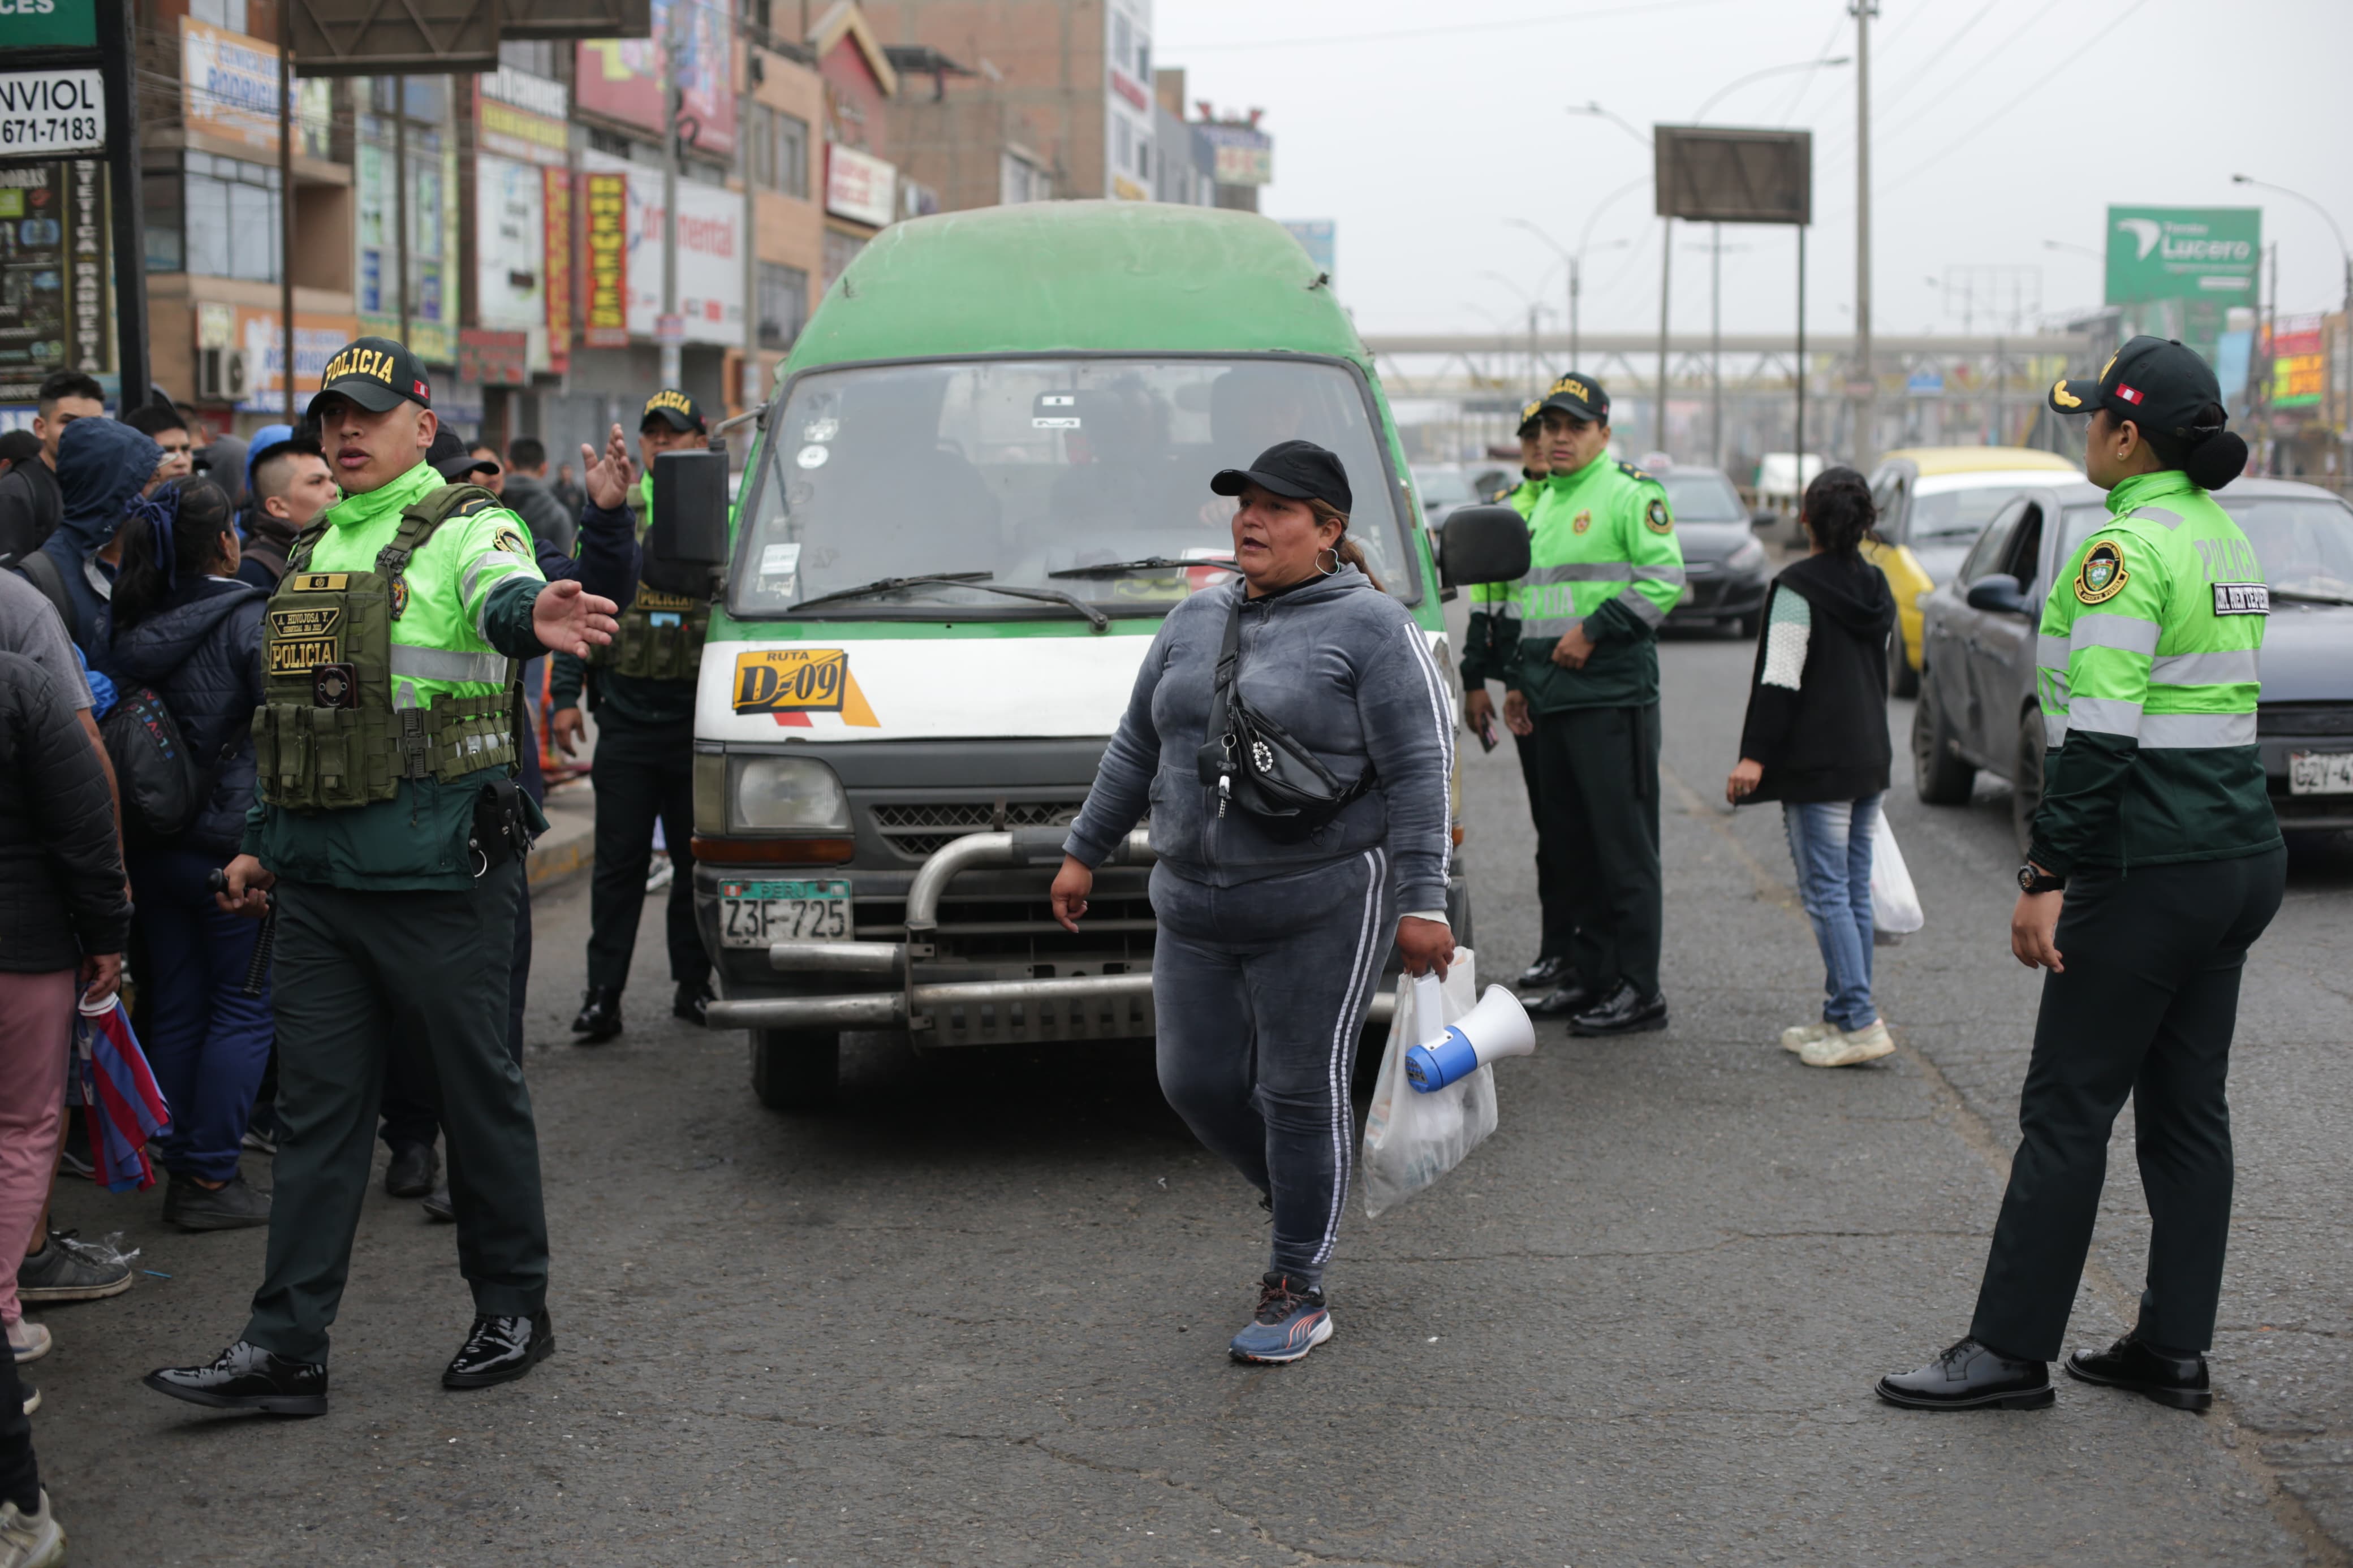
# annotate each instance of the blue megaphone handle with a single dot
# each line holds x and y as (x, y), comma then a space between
(1432, 1068)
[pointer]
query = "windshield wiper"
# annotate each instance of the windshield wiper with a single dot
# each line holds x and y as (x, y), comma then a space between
(979, 580)
(1142, 563)
(2310, 596)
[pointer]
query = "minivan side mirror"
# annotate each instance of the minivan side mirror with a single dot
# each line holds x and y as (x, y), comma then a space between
(688, 540)
(1483, 544)
(1999, 592)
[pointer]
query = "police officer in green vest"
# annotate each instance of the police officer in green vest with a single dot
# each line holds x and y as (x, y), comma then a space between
(1604, 569)
(2156, 862)
(641, 690)
(1492, 638)
(389, 833)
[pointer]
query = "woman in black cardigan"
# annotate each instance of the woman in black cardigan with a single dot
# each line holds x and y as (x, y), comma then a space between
(1815, 740)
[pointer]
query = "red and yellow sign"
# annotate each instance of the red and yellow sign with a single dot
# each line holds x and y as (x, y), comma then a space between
(557, 274)
(794, 682)
(607, 199)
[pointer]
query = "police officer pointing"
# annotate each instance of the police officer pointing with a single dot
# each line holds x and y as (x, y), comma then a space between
(1604, 570)
(2155, 863)
(389, 829)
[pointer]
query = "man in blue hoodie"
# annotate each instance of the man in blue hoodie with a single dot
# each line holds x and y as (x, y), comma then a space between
(103, 464)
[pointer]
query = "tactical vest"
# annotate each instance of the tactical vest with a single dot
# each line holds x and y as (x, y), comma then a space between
(327, 735)
(660, 637)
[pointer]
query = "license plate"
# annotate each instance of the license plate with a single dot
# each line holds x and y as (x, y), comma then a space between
(2320, 772)
(754, 914)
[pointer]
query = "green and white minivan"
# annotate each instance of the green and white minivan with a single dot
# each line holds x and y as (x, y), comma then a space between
(980, 486)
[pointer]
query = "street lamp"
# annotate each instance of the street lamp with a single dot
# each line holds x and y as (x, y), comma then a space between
(1724, 92)
(1575, 260)
(2078, 249)
(2345, 413)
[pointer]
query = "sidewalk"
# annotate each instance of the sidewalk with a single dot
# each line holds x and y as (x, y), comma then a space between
(568, 848)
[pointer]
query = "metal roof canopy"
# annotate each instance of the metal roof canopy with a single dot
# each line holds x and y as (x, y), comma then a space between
(429, 37)
(1709, 176)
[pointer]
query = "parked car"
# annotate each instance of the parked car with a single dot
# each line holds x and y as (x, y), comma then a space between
(1978, 706)
(1934, 503)
(1440, 488)
(1725, 566)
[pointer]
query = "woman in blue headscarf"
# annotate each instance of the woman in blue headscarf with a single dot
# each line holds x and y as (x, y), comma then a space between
(183, 625)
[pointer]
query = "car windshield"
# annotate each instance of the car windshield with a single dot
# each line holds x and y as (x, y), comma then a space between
(1442, 487)
(1700, 495)
(1955, 516)
(2304, 543)
(1029, 473)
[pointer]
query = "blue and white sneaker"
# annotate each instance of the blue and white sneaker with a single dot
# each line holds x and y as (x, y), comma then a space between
(1286, 1326)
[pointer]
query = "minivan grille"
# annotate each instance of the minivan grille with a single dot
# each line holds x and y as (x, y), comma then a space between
(916, 829)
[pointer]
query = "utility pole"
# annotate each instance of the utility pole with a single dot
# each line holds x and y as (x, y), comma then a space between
(1866, 424)
(400, 197)
(754, 383)
(116, 31)
(1535, 374)
(1666, 276)
(670, 330)
(1715, 335)
(1576, 286)
(286, 204)
(1800, 442)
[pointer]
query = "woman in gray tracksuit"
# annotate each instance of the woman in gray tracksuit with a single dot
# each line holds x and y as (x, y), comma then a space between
(1270, 947)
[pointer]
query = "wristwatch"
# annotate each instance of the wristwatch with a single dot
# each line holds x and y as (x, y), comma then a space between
(2031, 881)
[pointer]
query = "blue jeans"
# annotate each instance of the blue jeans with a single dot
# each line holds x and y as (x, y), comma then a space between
(206, 1040)
(1831, 842)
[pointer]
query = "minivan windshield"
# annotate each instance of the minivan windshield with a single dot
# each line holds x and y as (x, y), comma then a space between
(1043, 474)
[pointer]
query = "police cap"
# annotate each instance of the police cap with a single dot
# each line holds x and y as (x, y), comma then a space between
(375, 373)
(454, 460)
(1531, 418)
(675, 408)
(2154, 381)
(1579, 397)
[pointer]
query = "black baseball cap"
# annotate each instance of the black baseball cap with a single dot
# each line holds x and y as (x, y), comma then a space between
(1531, 418)
(375, 373)
(453, 460)
(2155, 382)
(674, 407)
(1579, 397)
(1300, 469)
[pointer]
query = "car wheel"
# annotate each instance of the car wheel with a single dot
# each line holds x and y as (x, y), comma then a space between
(1940, 776)
(795, 1069)
(2026, 777)
(1903, 680)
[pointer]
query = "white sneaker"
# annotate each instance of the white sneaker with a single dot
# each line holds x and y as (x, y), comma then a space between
(27, 1340)
(1797, 1036)
(1847, 1047)
(34, 1541)
(661, 874)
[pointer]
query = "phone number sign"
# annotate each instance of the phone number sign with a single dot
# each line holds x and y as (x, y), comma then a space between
(51, 112)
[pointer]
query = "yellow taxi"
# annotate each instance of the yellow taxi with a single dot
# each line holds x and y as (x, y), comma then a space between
(1932, 503)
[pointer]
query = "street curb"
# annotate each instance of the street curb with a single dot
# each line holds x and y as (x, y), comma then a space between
(568, 848)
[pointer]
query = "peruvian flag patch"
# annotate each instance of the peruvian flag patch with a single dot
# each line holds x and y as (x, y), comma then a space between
(2129, 394)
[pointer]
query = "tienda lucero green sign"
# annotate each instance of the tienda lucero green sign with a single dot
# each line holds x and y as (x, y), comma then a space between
(2183, 253)
(48, 23)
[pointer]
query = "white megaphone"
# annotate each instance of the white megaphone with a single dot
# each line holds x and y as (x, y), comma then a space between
(1498, 1026)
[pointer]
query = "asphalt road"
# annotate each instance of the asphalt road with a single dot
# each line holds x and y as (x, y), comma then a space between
(977, 1315)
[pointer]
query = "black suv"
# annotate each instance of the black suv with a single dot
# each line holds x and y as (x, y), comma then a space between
(1978, 706)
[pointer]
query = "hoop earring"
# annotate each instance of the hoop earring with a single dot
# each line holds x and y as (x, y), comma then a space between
(1333, 570)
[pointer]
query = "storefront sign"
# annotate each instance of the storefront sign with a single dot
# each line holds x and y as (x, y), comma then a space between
(710, 260)
(510, 240)
(229, 86)
(490, 358)
(605, 197)
(89, 318)
(51, 112)
(48, 23)
(2299, 362)
(520, 116)
(555, 200)
(1244, 154)
(627, 78)
(316, 337)
(32, 277)
(859, 185)
(1128, 88)
(2178, 270)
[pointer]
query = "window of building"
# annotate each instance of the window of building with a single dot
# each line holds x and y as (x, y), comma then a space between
(1122, 142)
(783, 304)
(840, 251)
(1019, 180)
(778, 150)
(610, 143)
(1123, 40)
(223, 13)
(214, 217)
(536, 56)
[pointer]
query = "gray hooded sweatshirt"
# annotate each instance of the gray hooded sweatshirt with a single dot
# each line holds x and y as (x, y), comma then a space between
(1343, 667)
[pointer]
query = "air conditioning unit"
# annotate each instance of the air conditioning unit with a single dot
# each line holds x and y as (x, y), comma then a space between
(221, 376)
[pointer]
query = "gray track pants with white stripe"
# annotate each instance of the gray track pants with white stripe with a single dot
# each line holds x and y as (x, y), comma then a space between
(1260, 991)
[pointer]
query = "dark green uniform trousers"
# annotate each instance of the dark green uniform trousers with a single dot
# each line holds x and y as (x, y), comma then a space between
(2145, 1006)
(360, 975)
(1598, 771)
(1559, 929)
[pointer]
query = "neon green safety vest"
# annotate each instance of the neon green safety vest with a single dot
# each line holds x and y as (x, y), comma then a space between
(2146, 669)
(1603, 555)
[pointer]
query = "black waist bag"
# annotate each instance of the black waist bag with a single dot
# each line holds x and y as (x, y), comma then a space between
(1255, 765)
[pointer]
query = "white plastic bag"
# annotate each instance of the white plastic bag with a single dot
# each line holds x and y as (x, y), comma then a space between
(1894, 902)
(1410, 1138)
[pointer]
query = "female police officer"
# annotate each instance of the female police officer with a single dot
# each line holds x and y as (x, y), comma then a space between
(2156, 862)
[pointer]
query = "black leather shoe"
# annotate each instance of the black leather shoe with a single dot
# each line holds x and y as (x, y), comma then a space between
(247, 1377)
(1968, 1376)
(1626, 1012)
(499, 1349)
(1563, 1001)
(601, 1014)
(1544, 974)
(690, 1002)
(233, 1206)
(2129, 1364)
(410, 1174)
(437, 1205)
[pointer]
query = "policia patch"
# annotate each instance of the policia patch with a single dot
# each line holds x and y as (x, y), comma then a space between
(2102, 575)
(1654, 516)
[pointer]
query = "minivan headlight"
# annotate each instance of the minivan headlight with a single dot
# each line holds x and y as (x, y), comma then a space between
(787, 795)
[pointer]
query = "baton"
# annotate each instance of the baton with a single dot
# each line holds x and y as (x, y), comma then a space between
(256, 972)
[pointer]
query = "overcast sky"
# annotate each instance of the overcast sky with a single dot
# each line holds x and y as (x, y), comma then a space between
(1421, 128)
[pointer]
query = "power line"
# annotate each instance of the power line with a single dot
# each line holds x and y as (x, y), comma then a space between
(1806, 82)
(1170, 50)
(2037, 84)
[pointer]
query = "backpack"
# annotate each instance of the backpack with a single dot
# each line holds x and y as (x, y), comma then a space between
(163, 789)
